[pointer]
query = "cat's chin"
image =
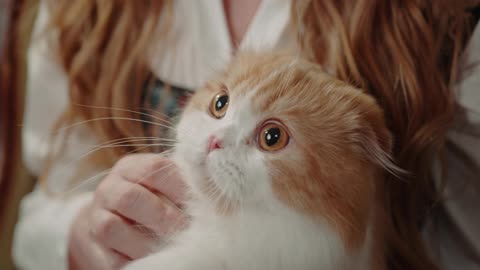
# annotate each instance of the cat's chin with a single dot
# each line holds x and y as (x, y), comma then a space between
(206, 186)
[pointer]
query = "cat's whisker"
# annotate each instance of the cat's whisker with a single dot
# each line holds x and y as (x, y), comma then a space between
(171, 233)
(146, 231)
(155, 172)
(126, 139)
(216, 192)
(170, 150)
(172, 172)
(107, 171)
(158, 113)
(112, 118)
(125, 110)
(218, 195)
(213, 191)
(133, 142)
(118, 144)
(138, 139)
(167, 152)
(88, 181)
(135, 145)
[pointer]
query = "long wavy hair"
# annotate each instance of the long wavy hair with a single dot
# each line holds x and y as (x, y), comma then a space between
(406, 53)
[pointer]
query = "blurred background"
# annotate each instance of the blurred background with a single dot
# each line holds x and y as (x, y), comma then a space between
(16, 20)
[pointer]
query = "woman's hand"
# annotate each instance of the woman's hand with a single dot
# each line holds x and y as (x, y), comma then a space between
(134, 207)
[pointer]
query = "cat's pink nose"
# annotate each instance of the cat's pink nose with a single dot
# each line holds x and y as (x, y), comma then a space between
(214, 143)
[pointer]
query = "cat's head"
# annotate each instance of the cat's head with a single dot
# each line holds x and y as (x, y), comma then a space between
(276, 129)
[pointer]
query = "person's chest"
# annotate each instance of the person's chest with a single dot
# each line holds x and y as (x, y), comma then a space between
(199, 44)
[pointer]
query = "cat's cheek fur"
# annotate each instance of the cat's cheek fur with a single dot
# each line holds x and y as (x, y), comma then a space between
(190, 151)
(240, 175)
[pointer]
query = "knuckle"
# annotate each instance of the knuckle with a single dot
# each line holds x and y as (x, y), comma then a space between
(106, 226)
(129, 198)
(139, 167)
(173, 214)
(160, 162)
(125, 162)
(164, 212)
(147, 166)
(170, 210)
(116, 262)
(161, 208)
(102, 188)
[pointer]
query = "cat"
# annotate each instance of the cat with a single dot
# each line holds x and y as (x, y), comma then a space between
(284, 164)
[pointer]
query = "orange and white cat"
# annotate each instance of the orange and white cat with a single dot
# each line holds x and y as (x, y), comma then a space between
(284, 164)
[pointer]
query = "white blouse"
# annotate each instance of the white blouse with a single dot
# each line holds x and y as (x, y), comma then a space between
(198, 46)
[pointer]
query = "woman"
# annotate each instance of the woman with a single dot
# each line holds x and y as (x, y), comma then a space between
(119, 56)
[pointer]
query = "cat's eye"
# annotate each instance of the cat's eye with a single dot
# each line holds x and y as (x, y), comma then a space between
(272, 137)
(219, 104)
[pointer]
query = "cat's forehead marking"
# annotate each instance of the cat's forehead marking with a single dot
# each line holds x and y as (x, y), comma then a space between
(256, 70)
(265, 85)
(239, 109)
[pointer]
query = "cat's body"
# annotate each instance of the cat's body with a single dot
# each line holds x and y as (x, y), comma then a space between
(283, 163)
(256, 240)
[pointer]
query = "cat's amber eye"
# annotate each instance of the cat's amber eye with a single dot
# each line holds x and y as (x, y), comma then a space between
(219, 104)
(272, 137)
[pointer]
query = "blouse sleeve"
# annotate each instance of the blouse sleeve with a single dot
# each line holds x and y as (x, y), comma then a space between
(454, 233)
(46, 92)
(42, 231)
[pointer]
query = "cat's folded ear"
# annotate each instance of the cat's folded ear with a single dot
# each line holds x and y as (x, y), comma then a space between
(376, 140)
